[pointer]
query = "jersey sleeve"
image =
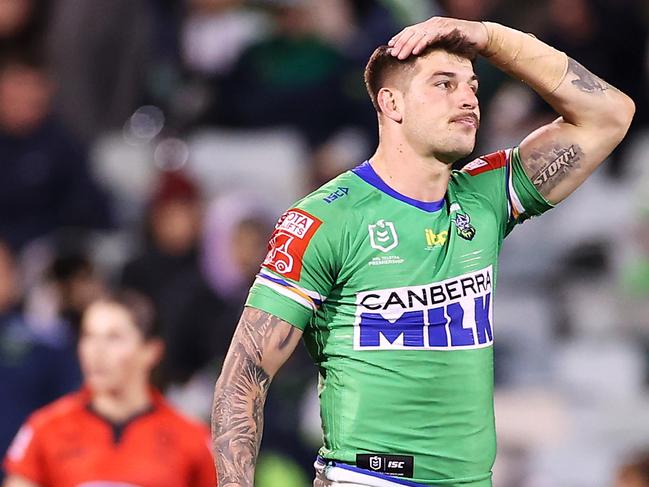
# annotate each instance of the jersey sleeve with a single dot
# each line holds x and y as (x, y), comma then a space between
(25, 455)
(299, 269)
(501, 177)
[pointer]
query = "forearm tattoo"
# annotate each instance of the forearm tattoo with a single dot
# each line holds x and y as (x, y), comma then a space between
(586, 81)
(239, 396)
(549, 166)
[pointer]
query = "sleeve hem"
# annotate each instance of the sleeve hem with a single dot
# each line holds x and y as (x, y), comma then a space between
(539, 203)
(270, 302)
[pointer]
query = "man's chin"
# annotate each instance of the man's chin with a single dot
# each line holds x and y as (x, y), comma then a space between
(453, 155)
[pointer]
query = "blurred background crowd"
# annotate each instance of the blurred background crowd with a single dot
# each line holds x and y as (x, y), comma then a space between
(152, 144)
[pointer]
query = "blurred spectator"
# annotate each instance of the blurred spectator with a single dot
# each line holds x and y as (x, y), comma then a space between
(171, 237)
(115, 429)
(75, 284)
(208, 304)
(215, 32)
(635, 473)
(234, 241)
(66, 282)
(167, 270)
(292, 78)
(46, 184)
(22, 23)
(36, 367)
(636, 272)
(100, 52)
(212, 37)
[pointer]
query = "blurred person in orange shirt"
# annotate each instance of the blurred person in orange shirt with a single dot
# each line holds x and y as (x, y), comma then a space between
(117, 430)
(37, 359)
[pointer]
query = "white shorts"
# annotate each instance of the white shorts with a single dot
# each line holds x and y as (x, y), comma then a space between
(334, 474)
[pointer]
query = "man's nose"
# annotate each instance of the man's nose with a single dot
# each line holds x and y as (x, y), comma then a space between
(468, 99)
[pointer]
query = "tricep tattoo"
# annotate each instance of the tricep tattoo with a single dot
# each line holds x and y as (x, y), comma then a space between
(238, 411)
(551, 165)
(586, 81)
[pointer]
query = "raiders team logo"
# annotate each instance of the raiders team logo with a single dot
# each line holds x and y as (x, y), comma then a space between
(463, 224)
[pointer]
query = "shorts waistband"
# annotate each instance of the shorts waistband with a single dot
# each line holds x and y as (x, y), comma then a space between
(345, 470)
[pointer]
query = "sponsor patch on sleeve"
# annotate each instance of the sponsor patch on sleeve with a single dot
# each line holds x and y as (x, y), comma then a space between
(293, 232)
(486, 163)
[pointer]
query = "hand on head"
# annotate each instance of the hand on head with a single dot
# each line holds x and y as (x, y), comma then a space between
(413, 39)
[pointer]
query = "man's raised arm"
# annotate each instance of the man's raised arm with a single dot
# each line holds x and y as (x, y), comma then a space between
(594, 119)
(261, 344)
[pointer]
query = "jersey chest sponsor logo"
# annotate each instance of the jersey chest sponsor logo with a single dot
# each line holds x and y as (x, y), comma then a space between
(289, 241)
(451, 314)
(435, 239)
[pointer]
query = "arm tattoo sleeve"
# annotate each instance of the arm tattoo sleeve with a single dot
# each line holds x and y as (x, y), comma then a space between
(550, 165)
(586, 81)
(239, 396)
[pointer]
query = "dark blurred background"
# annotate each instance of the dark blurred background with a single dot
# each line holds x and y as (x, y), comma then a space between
(152, 144)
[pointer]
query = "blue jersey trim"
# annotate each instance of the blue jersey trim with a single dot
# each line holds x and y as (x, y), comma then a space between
(351, 468)
(366, 172)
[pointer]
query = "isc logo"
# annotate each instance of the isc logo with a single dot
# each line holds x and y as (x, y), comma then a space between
(446, 315)
(395, 464)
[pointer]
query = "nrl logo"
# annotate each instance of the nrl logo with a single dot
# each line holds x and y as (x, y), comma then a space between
(383, 236)
(464, 227)
(375, 463)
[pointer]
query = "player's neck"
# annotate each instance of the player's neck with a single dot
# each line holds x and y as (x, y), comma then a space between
(119, 406)
(418, 177)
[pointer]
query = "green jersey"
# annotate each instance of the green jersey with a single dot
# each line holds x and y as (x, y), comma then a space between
(395, 298)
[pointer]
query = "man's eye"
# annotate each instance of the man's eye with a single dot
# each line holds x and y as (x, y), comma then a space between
(444, 84)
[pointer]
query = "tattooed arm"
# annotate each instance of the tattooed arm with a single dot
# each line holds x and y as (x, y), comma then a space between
(594, 119)
(261, 344)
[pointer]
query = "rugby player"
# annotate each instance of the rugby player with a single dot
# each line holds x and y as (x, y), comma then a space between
(388, 270)
(117, 431)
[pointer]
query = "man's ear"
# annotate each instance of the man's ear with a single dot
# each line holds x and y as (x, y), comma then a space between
(390, 102)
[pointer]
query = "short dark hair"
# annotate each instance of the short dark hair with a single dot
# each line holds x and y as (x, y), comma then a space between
(139, 307)
(382, 64)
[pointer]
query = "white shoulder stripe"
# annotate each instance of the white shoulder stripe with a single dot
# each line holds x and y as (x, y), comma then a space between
(515, 200)
(312, 294)
(284, 291)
